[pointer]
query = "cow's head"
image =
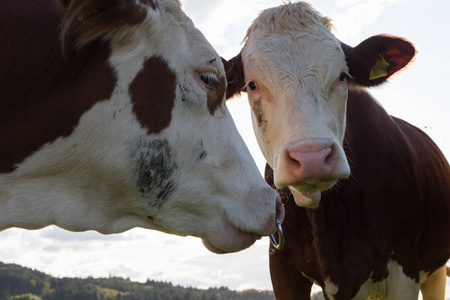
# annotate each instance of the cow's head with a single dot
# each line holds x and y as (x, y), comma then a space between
(297, 75)
(160, 150)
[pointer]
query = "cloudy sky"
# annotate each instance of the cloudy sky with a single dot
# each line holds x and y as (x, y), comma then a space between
(418, 95)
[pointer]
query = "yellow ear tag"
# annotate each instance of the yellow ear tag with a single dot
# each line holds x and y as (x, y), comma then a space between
(380, 69)
(87, 14)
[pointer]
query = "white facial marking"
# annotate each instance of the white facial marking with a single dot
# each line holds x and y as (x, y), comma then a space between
(293, 71)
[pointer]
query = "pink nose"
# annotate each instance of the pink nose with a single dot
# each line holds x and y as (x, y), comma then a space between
(311, 162)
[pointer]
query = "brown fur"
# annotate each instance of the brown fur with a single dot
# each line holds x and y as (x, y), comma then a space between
(388, 205)
(153, 94)
(215, 95)
(362, 58)
(43, 93)
(235, 76)
(391, 207)
(103, 17)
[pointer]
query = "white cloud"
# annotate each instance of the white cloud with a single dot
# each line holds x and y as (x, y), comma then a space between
(225, 24)
(351, 17)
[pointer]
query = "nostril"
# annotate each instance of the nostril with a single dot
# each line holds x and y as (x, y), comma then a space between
(310, 161)
(310, 165)
(294, 158)
(302, 156)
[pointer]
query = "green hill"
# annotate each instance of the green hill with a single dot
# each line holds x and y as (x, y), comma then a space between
(19, 283)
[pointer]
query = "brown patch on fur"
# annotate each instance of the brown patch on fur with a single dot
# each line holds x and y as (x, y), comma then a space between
(234, 69)
(215, 95)
(43, 95)
(259, 113)
(153, 94)
(103, 17)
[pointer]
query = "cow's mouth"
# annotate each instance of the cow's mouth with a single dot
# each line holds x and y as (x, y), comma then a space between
(227, 235)
(233, 239)
(313, 185)
(309, 193)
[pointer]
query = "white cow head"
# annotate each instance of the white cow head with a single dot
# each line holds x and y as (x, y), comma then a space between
(296, 75)
(153, 144)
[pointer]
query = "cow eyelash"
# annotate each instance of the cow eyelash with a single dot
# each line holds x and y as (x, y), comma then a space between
(345, 75)
(208, 78)
(251, 85)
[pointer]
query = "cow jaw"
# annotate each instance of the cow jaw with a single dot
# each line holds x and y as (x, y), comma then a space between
(231, 241)
(231, 237)
(236, 237)
(307, 199)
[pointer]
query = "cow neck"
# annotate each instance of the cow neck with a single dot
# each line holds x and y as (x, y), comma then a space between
(43, 93)
(51, 106)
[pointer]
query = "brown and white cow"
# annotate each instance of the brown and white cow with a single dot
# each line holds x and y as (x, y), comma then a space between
(113, 116)
(378, 232)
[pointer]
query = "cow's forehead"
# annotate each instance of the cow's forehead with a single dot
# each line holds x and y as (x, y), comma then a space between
(298, 45)
(290, 36)
(197, 52)
(293, 57)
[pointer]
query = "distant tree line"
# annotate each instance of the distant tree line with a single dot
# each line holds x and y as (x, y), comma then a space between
(19, 283)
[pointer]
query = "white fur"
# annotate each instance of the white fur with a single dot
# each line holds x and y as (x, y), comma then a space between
(87, 181)
(397, 286)
(331, 288)
(296, 63)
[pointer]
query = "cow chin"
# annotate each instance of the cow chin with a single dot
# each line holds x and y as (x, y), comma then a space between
(232, 240)
(308, 200)
(310, 197)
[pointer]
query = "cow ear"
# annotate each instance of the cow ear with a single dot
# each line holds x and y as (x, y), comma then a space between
(374, 60)
(87, 20)
(234, 69)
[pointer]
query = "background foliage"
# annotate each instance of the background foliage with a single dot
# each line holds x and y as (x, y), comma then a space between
(19, 283)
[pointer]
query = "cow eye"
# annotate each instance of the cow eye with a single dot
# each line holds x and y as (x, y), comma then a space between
(208, 78)
(252, 85)
(344, 75)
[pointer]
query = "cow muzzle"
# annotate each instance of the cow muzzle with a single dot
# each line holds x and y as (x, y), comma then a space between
(310, 168)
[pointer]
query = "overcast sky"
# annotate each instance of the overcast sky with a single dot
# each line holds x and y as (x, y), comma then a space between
(417, 95)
